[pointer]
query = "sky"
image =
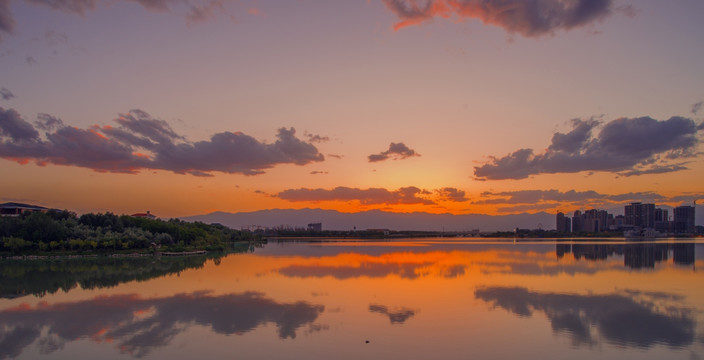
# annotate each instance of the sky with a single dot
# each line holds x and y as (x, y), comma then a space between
(185, 107)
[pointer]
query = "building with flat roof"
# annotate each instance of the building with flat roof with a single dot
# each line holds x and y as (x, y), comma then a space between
(683, 222)
(317, 227)
(16, 209)
(640, 215)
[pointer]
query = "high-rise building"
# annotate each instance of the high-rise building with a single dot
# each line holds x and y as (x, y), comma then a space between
(560, 222)
(577, 221)
(662, 220)
(684, 220)
(640, 215)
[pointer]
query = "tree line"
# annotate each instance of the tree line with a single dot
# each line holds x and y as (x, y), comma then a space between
(64, 231)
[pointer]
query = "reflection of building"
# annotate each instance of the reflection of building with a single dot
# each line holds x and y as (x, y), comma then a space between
(16, 209)
(684, 220)
(683, 254)
(635, 256)
(592, 251)
(562, 249)
(643, 256)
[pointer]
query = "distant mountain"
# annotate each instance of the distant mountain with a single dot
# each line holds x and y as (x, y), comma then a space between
(377, 219)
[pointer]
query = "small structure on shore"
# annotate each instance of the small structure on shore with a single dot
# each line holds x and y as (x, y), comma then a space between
(16, 209)
(147, 215)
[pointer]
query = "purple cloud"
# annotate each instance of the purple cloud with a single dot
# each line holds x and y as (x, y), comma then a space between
(370, 196)
(70, 6)
(628, 146)
(13, 126)
(375, 196)
(315, 138)
(142, 142)
(530, 18)
(556, 196)
(452, 194)
(398, 151)
(7, 22)
(205, 12)
(197, 11)
(5, 93)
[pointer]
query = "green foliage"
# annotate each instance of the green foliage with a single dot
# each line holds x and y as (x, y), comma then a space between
(64, 231)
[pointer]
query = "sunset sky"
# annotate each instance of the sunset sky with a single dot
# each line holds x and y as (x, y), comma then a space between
(185, 107)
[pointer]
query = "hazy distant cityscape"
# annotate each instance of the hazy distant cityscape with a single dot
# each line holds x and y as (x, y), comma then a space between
(639, 219)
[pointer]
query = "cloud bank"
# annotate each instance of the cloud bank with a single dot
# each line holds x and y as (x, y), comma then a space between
(529, 18)
(193, 10)
(375, 196)
(371, 196)
(571, 196)
(527, 200)
(141, 142)
(397, 151)
(626, 146)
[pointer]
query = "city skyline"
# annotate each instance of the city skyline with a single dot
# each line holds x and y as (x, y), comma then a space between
(461, 107)
(636, 217)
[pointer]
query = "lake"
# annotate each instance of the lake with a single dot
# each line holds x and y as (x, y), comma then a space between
(353, 299)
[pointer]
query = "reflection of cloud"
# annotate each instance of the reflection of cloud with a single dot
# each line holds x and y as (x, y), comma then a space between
(137, 325)
(621, 319)
(396, 316)
(403, 265)
(372, 270)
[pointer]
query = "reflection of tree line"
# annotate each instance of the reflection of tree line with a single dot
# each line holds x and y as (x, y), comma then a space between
(39, 277)
(635, 256)
(137, 325)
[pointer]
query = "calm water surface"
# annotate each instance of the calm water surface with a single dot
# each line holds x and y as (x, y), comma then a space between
(408, 299)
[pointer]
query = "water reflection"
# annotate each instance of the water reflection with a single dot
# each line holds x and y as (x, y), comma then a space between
(42, 277)
(635, 256)
(355, 290)
(396, 316)
(368, 269)
(137, 325)
(351, 266)
(633, 318)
